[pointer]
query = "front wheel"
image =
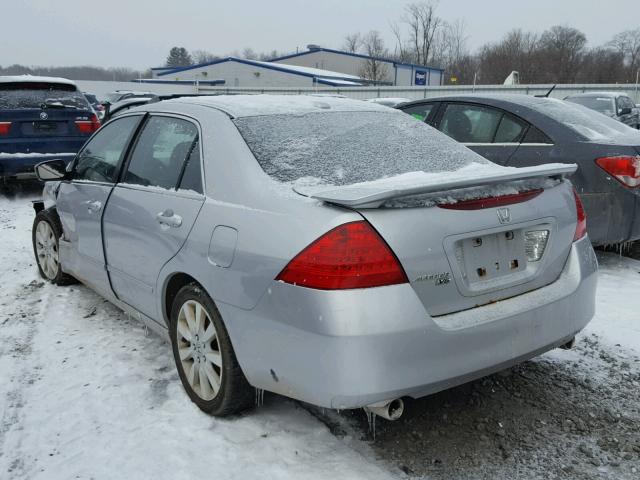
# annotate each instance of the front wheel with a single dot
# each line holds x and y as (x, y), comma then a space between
(45, 237)
(204, 357)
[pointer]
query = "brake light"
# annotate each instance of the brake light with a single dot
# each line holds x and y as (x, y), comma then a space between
(625, 168)
(499, 201)
(4, 128)
(581, 227)
(352, 255)
(88, 126)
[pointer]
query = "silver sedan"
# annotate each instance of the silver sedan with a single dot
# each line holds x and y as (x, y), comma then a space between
(333, 251)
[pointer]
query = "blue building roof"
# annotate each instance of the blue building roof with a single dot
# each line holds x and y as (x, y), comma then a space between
(325, 77)
(358, 55)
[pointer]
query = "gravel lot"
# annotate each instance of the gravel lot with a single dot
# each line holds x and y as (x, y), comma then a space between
(77, 394)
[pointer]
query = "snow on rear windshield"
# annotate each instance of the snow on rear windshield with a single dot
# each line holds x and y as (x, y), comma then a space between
(23, 95)
(590, 124)
(341, 148)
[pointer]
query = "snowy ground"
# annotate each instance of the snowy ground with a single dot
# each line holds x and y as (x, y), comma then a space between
(85, 394)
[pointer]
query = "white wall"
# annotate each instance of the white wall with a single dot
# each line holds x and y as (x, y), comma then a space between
(242, 75)
(415, 93)
(100, 88)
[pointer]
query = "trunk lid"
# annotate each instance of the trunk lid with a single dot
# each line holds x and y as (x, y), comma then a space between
(456, 259)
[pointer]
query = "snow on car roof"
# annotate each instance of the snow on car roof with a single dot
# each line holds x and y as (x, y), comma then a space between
(35, 78)
(255, 105)
(597, 94)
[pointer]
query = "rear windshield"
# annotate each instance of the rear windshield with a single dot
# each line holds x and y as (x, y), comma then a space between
(341, 148)
(600, 104)
(34, 95)
(591, 125)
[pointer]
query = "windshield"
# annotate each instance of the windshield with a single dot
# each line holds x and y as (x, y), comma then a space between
(24, 95)
(341, 148)
(600, 104)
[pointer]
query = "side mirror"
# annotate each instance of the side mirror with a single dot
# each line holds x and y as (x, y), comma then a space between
(51, 170)
(624, 111)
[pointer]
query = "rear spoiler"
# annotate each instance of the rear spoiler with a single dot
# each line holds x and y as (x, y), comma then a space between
(376, 193)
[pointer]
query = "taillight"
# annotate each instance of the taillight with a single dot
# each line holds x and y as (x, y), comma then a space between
(581, 227)
(4, 128)
(501, 200)
(88, 126)
(625, 168)
(352, 255)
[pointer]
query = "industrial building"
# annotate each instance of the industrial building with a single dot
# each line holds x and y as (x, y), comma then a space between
(240, 72)
(394, 73)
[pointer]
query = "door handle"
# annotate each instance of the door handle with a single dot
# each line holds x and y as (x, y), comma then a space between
(93, 205)
(169, 218)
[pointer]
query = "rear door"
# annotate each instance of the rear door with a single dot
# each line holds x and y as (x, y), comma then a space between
(81, 201)
(490, 132)
(151, 211)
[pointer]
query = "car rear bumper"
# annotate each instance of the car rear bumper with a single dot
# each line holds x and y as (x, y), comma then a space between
(613, 217)
(353, 348)
(21, 165)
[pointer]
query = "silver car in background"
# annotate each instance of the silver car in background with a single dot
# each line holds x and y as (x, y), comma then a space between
(330, 250)
(615, 105)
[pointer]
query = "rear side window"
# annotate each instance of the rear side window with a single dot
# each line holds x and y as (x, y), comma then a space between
(470, 123)
(192, 177)
(342, 148)
(535, 135)
(98, 160)
(510, 130)
(25, 95)
(421, 112)
(625, 102)
(161, 151)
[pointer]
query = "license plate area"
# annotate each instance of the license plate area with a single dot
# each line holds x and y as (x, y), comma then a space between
(45, 126)
(489, 258)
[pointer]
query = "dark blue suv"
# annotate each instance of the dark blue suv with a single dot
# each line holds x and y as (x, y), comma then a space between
(40, 118)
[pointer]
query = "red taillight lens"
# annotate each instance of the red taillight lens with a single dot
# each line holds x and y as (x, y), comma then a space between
(4, 128)
(581, 227)
(479, 203)
(626, 169)
(88, 126)
(352, 255)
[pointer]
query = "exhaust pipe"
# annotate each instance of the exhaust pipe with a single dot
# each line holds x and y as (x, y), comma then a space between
(391, 410)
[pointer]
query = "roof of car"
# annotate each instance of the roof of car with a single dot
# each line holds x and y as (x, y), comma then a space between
(257, 105)
(35, 78)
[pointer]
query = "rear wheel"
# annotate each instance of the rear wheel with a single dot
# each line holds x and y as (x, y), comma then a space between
(45, 236)
(204, 357)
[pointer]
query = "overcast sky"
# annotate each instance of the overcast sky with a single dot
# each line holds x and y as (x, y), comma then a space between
(139, 33)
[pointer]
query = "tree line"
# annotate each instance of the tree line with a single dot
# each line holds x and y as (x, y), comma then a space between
(118, 74)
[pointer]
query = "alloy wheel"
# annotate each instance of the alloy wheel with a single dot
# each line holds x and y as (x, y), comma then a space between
(47, 250)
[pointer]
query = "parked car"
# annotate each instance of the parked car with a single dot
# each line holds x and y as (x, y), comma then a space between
(520, 130)
(95, 104)
(388, 101)
(329, 250)
(120, 95)
(40, 117)
(122, 106)
(615, 105)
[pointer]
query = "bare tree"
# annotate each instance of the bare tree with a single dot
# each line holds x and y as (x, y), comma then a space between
(401, 53)
(353, 42)
(562, 49)
(423, 25)
(249, 54)
(627, 44)
(373, 69)
(203, 56)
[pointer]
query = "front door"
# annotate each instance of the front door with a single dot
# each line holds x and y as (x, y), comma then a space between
(150, 214)
(81, 201)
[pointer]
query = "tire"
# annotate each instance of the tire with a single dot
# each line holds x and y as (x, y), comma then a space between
(45, 236)
(207, 355)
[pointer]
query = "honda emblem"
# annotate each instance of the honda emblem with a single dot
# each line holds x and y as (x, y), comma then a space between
(504, 215)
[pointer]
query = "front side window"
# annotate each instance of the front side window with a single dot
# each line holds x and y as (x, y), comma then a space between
(470, 123)
(625, 102)
(98, 161)
(161, 151)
